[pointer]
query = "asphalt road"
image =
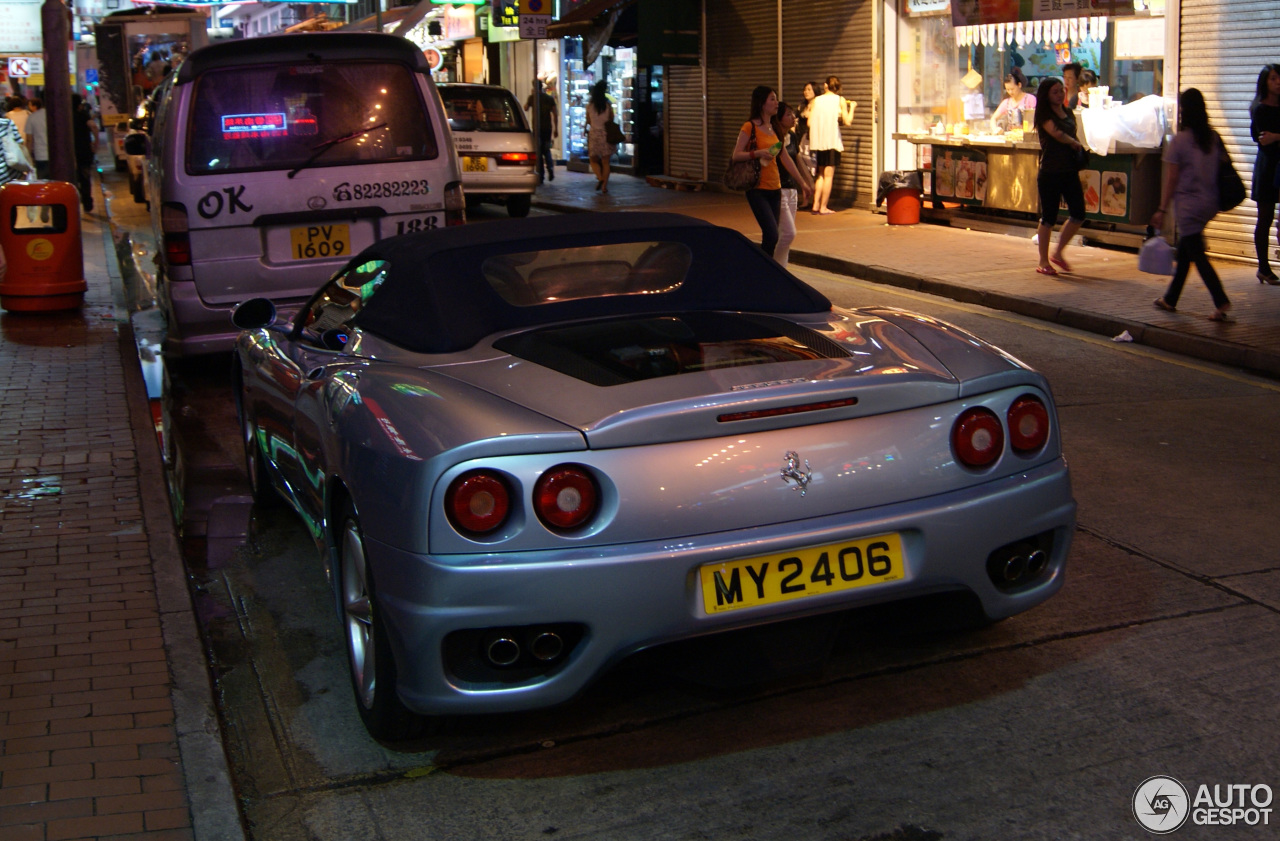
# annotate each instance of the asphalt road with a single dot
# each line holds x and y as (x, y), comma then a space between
(1160, 656)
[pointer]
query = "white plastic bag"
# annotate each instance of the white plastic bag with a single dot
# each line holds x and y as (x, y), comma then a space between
(1156, 257)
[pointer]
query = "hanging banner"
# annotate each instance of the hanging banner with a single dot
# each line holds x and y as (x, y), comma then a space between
(973, 12)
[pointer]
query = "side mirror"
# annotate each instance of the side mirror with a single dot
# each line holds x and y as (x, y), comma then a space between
(254, 314)
(137, 144)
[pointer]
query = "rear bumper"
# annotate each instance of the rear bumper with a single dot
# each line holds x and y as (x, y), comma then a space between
(630, 597)
(196, 328)
(500, 183)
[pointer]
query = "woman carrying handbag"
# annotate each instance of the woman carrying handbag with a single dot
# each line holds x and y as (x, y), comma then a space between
(765, 198)
(1191, 183)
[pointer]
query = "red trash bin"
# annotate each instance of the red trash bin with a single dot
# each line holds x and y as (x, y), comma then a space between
(40, 237)
(903, 206)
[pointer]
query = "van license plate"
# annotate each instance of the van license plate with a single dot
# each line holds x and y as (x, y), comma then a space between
(470, 164)
(316, 242)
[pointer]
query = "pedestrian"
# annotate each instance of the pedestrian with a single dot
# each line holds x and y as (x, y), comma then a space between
(599, 150)
(808, 95)
(1088, 81)
(829, 111)
(17, 110)
(1264, 126)
(1061, 159)
(1191, 183)
(547, 129)
(13, 156)
(38, 138)
(784, 123)
(86, 146)
(765, 199)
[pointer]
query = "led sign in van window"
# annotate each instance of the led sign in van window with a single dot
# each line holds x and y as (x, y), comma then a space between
(239, 126)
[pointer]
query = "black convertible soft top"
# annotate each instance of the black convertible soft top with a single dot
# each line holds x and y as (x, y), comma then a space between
(435, 298)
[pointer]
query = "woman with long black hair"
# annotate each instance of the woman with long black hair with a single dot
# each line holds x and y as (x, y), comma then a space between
(1264, 127)
(1191, 183)
(599, 111)
(1059, 175)
(765, 199)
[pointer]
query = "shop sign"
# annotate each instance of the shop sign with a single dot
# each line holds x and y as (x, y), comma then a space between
(20, 30)
(923, 8)
(973, 12)
(459, 23)
(534, 26)
(506, 13)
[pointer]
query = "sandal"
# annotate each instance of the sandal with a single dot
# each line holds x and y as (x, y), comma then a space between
(1060, 263)
(1162, 304)
(1047, 270)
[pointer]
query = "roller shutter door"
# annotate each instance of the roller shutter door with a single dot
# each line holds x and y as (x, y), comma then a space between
(1222, 46)
(741, 52)
(685, 140)
(824, 38)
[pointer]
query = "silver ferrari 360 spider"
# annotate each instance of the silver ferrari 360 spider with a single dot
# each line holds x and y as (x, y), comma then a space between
(529, 448)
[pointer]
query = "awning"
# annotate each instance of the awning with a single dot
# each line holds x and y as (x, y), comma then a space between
(577, 21)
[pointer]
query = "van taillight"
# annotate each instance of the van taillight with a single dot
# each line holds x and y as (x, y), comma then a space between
(455, 204)
(173, 227)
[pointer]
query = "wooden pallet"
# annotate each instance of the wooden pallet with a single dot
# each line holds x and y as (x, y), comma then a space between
(668, 183)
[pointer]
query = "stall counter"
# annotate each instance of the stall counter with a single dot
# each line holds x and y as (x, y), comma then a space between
(989, 171)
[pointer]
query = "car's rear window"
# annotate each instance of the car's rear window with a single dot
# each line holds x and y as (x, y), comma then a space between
(554, 275)
(481, 109)
(286, 115)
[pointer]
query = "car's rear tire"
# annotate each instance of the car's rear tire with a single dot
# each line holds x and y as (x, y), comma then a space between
(518, 205)
(372, 667)
(121, 165)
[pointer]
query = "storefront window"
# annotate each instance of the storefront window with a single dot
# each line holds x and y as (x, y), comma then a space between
(618, 68)
(951, 79)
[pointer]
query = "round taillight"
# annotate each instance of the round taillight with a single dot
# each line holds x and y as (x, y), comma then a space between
(478, 502)
(565, 497)
(1028, 424)
(977, 438)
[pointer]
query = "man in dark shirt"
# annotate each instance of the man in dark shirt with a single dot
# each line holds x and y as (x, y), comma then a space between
(548, 129)
(86, 144)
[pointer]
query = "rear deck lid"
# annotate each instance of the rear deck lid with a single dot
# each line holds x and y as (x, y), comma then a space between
(681, 376)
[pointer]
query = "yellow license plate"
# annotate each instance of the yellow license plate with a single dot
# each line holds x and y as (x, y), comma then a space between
(470, 164)
(801, 573)
(315, 242)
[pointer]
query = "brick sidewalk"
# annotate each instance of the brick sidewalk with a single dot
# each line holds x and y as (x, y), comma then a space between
(89, 744)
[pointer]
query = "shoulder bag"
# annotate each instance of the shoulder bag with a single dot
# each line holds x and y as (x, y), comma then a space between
(1230, 187)
(613, 134)
(744, 175)
(15, 157)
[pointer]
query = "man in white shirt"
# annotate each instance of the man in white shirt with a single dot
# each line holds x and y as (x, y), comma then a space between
(827, 113)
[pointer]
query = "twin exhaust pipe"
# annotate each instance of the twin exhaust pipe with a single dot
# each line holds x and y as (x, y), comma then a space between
(504, 650)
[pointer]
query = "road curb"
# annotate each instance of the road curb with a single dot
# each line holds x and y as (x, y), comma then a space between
(215, 812)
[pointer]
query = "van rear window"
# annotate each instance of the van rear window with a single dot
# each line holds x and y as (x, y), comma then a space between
(289, 115)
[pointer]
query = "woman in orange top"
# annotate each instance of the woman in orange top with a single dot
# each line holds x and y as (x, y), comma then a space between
(765, 199)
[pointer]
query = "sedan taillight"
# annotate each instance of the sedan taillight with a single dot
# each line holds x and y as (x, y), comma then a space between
(1028, 424)
(477, 502)
(977, 438)
(515, 158)
(565, 497)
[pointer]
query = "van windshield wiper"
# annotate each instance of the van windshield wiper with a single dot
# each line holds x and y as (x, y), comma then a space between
(329, 144)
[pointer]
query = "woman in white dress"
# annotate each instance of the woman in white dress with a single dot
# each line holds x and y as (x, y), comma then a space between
(599, 149)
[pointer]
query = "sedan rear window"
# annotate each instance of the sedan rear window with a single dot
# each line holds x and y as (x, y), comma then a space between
(481, 109)
(290, 115)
